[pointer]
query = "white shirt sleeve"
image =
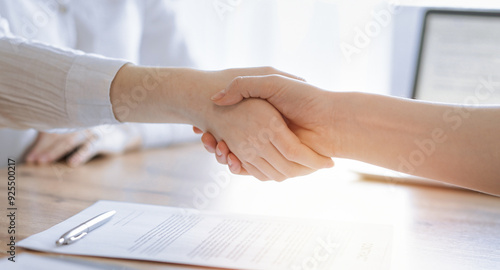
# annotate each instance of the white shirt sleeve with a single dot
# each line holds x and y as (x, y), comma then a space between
(44, 87)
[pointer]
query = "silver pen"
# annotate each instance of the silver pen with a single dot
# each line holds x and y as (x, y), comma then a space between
(83, 229)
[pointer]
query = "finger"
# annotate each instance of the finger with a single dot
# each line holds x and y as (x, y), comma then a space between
(294, 150)
(286, 167)
(291, 76)
(252, 170)
(38, 145)
(85, 153)
(282, 168)
(221, 152)
(42, 145)
(235, 165)
(197, 130)
(254, 152)
(260, 71)
(209, 142)
(60, 149)
(59, 146)
(267, 169)
(263, 87)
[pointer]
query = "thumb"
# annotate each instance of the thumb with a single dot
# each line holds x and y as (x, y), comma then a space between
(263, 87)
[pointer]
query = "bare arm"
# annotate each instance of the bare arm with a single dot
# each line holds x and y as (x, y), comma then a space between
(451, 143)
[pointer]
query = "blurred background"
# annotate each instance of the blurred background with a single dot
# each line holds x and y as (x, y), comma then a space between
(359, 45)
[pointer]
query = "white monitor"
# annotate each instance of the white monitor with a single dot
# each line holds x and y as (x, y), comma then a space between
(459, 60)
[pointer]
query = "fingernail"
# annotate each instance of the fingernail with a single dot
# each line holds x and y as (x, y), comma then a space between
(218, 152)
(219, 95)
(229, 162)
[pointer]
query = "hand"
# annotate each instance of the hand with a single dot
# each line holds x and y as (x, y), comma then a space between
(81, 146)
(308, 110)
(259, 137)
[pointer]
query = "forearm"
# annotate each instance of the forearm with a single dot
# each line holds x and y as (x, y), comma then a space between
(455, 144)
(160, 95)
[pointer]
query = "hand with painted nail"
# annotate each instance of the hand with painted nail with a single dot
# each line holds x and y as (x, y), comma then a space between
(81, 146)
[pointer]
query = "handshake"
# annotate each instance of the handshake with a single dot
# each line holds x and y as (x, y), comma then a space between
(273, 125)
(280, 127)
(280, 130)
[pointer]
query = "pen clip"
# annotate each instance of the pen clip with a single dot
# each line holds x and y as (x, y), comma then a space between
(83, 229)
(76, 238)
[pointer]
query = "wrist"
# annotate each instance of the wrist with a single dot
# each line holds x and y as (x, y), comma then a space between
(345, 112)
(129, 96)
(194, 101)
(159, 95)
(119, 87)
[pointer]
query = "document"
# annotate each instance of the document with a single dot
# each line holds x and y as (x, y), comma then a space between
(189, 236)
(27, 261)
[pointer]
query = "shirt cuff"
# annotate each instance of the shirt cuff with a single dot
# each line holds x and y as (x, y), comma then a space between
(88, 84)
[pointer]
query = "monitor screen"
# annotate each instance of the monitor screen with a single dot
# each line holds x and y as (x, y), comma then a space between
(459, 60)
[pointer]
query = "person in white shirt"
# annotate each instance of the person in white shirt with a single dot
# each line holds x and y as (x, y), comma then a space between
(53, 75)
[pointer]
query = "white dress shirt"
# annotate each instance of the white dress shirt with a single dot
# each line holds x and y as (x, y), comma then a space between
(58, 59)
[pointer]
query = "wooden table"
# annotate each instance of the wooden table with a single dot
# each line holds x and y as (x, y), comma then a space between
(434, 228)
